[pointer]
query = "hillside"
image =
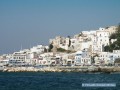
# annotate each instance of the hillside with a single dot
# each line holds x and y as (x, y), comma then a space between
(115, 45)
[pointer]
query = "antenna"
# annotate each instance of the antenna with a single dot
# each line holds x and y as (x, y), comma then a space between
(14, 50)
(30, 45)
(21, 47)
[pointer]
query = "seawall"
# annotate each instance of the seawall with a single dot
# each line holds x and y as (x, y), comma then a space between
(92, 69)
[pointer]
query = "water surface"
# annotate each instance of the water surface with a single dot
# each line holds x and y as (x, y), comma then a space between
(55, 81)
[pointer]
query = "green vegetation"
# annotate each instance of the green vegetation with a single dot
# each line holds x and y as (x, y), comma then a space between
(106, 27)
(80, 34)
(117, 60)
(50, 47)
(93, 58)
(45, 50)
(63, 50)
(69, 41)
(113, 36)
(115, 45)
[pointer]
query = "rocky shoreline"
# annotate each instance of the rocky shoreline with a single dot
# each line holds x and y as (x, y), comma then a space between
(85, 69)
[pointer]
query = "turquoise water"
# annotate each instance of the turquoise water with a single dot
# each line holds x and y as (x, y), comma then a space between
(55, 81)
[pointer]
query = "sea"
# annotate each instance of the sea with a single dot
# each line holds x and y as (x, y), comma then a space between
(57, 81)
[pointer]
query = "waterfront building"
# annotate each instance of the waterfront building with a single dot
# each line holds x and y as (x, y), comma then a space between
(103, 58)
(106, 58)
(18, 58)
(78, 57)
(45, 59)
(31, 57)
(4, 62)
(82, 58)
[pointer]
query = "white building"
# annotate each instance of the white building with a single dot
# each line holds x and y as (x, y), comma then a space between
(38, 49)
(4, 62)
(102, 38)
(82, 58)
(18, 58)
(105, 58)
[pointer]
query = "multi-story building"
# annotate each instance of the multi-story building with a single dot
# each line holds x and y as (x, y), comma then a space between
(38, 49)
(105, 58)
(82, 58)
(102, 38)
(18, 58)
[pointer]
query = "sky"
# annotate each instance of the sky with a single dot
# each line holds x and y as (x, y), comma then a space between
(28, 23)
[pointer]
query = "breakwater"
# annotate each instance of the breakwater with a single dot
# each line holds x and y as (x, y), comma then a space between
(64, 69)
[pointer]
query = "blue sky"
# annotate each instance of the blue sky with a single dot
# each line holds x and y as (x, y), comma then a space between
(32, 22)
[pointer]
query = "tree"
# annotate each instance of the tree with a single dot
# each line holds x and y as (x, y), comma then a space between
(107, 48)
(45, 50)
(106, 27)
(80, 34)
(118, 29)
(69, 40)
(115, 45)
(69, 43)
(113, 36)
(117, 60)
(50, 47)
(93, 58)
